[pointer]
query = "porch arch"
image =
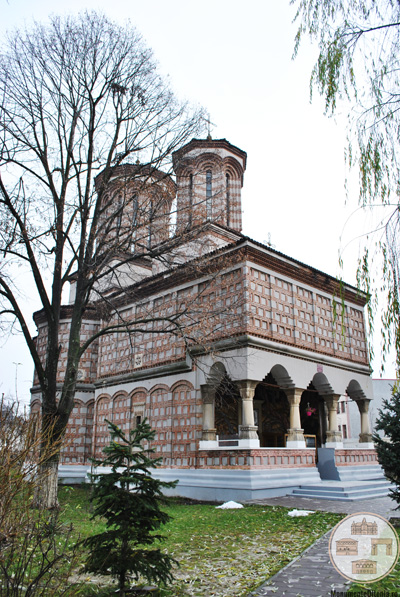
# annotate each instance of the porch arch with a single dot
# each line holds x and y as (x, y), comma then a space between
(216, 374)
(327, 403)
(282, 377)
(322, 384)
(356, 393)
(220, 399)
(227, 401)
(272, 408)
(313, 414)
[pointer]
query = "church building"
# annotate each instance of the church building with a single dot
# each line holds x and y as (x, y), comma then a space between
(243, 395)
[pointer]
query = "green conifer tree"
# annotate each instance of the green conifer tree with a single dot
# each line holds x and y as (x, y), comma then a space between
(388, 449)
(129, 499)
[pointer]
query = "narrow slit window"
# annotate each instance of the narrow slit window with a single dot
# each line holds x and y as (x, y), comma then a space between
(190, 199)
(118, 214)
(208, 194)
(227, 192)
(151, 217)
(135, 208)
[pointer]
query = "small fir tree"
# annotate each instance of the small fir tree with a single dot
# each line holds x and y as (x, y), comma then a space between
(388, 449)
(129, 499)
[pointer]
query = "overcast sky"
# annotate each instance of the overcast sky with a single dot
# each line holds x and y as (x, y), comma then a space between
(234, 59)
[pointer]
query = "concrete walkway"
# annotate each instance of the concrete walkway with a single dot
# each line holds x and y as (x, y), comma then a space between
(312, 573)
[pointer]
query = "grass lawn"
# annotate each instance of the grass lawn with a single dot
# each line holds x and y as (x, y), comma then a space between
(220, 552)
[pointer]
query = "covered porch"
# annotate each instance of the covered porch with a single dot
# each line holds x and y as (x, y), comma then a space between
(274, 413)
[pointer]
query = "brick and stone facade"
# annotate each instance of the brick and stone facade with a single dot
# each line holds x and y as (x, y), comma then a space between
(247, 391)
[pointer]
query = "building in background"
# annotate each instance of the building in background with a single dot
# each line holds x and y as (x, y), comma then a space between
(349, 415)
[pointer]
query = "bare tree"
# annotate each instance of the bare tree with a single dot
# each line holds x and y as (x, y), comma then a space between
(81, 106)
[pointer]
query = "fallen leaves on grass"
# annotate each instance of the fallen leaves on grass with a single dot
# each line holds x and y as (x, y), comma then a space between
(218, 566)
(223, 552)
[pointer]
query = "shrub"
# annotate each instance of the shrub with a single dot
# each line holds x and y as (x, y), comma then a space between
(129, 499)
(388, 448)
(35, 553)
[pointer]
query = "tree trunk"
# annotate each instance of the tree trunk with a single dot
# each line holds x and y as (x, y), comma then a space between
(122, 580)
(51, 436)
(46, 495)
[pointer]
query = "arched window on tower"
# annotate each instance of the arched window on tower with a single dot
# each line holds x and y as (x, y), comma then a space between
(227, 193)
(208, 194)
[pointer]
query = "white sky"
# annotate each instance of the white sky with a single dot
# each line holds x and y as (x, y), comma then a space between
(234, 58)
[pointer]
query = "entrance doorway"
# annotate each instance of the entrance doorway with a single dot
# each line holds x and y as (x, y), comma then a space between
(312, 415)
(272, 413)
(227, 408)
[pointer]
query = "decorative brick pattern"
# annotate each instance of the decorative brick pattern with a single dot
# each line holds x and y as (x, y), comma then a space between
(355, 457)
(158, 411)
(78, 438)
(118, 352)
(265, 458)
(121, 411)
(88, 365)
(357, 334)
(186, 426)
(290, 313)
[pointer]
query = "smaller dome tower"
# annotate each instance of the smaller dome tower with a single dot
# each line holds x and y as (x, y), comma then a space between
(136, 202)
(209, 175)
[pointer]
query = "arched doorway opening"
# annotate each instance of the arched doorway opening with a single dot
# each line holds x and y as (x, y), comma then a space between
(227, 409)
(313, 416)
(271, 413)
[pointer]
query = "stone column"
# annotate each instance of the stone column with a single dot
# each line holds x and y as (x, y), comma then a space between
(208, 397)
(295, 433)
(363, 407)
(248, 431)
(333, 436)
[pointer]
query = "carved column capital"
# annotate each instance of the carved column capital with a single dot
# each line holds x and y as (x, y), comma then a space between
(331, 401)
(247, 387)
(293, 395)
(207, 393)
(363, 405)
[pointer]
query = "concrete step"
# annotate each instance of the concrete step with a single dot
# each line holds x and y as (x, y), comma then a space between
(360, 473)
(340, 496)
(348, 486)
(344, 491)
(69, 474)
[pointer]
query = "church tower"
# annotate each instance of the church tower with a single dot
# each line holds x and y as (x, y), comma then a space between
(136, 208)
(209, 177)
